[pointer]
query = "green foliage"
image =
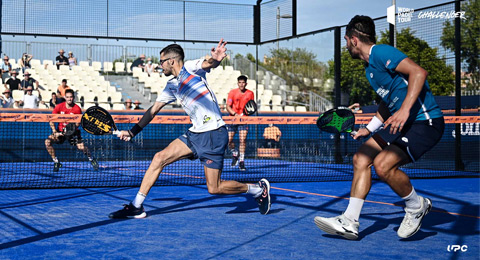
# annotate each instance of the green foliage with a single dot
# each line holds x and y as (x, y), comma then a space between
(440, 76)
(470, 40)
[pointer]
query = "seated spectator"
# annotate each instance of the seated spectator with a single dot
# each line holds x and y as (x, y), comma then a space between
(72, 61)
(55, 100)
(28, 81)
(139, 62)
(60, 59)
(5, 68)
(355, 108)
(29, 99)
(128, 104)
(13, 82)
(6, 100)
(149, 67)
(62, 88)
(137, 105)
(272, 136)
(25, 61)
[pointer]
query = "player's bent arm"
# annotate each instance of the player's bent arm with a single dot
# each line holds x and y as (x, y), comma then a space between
(210, 64)
(230, 110)
(52, 126)
(416, 79)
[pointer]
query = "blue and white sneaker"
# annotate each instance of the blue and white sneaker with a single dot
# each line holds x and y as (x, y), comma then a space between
(263, 200)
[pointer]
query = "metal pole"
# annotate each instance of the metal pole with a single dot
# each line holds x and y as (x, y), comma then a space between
(459, 166)
(337, 63)
(278, 27)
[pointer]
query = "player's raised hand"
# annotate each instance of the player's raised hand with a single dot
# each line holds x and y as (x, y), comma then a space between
(220, 52)
(124, 135)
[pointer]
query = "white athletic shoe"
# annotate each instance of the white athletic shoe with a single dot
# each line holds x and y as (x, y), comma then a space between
(339, 225)
(413, 219)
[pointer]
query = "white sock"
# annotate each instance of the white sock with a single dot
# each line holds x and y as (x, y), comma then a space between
(354, 208)
(234, 153)
(412, 201)
(138, 201)
(242, 157)
(254, 189)
(55, 160)
(90, 158)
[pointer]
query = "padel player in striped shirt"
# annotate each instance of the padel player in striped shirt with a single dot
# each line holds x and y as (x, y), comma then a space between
(206, 140)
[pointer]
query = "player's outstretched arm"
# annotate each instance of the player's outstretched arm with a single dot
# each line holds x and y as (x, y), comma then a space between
(218, 54)
(126, 135)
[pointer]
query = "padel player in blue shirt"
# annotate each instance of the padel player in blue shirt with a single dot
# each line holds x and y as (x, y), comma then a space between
(407, 124)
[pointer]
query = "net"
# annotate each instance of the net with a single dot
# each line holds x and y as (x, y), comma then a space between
(302, 154)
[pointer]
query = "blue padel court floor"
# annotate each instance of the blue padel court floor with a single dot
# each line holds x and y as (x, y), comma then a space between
(185, 222)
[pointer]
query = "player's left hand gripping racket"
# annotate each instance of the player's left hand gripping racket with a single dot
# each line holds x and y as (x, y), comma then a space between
(337, 120)
(97, 121)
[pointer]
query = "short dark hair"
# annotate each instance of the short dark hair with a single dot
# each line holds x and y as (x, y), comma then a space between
(64, 80)
(53, 93)
(242, 77)
(69, 91)
(363, 27)
(175, 49)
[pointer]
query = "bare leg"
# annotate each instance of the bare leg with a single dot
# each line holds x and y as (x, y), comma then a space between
(362, 172)
(175, 151)
(231, 144)
(243, 138)
(217, 186)
(386, 165)
(48, 145)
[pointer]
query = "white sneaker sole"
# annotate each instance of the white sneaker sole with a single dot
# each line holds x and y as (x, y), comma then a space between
(327, 228)
(268, 195)
(143, 215)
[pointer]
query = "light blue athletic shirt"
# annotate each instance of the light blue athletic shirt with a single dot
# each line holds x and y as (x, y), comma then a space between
(392, 86)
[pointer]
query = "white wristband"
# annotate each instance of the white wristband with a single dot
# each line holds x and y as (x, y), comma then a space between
(374, 124)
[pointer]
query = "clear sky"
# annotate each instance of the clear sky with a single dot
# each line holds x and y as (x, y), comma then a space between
(312, 15)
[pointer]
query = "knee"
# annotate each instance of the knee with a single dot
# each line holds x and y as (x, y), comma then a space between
(160, 159)
(214, 190)
(361, 161)
(383, 169)
(48, 143)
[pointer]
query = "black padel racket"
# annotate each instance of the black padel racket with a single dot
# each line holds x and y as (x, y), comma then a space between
(250, 108)
(69, 129)
(97, 121)
(337, 120)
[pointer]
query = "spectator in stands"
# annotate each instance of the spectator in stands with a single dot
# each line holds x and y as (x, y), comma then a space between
(6, 67)
(13, 82)
(128, 104)
(62, 88)
(28, 81)
(72, 61)
(29, 99)
(272, 136)
(6, 100)
(355, 107)
(60, 59)
(55, 100)
(25, 61)
(139, 62)
(149, 67)
(137, 105)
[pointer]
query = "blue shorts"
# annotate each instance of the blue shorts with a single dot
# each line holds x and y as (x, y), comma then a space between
(209, 146)
(236, 128)
(415, 139)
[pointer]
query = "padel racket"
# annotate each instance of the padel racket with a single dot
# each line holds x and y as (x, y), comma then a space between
(250, 108)
(337, 120)
(69, 129)
(97, 121)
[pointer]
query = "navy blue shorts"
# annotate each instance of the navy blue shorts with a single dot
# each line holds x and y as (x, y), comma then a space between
(236, 128)
(415, 139)
(209, 146)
